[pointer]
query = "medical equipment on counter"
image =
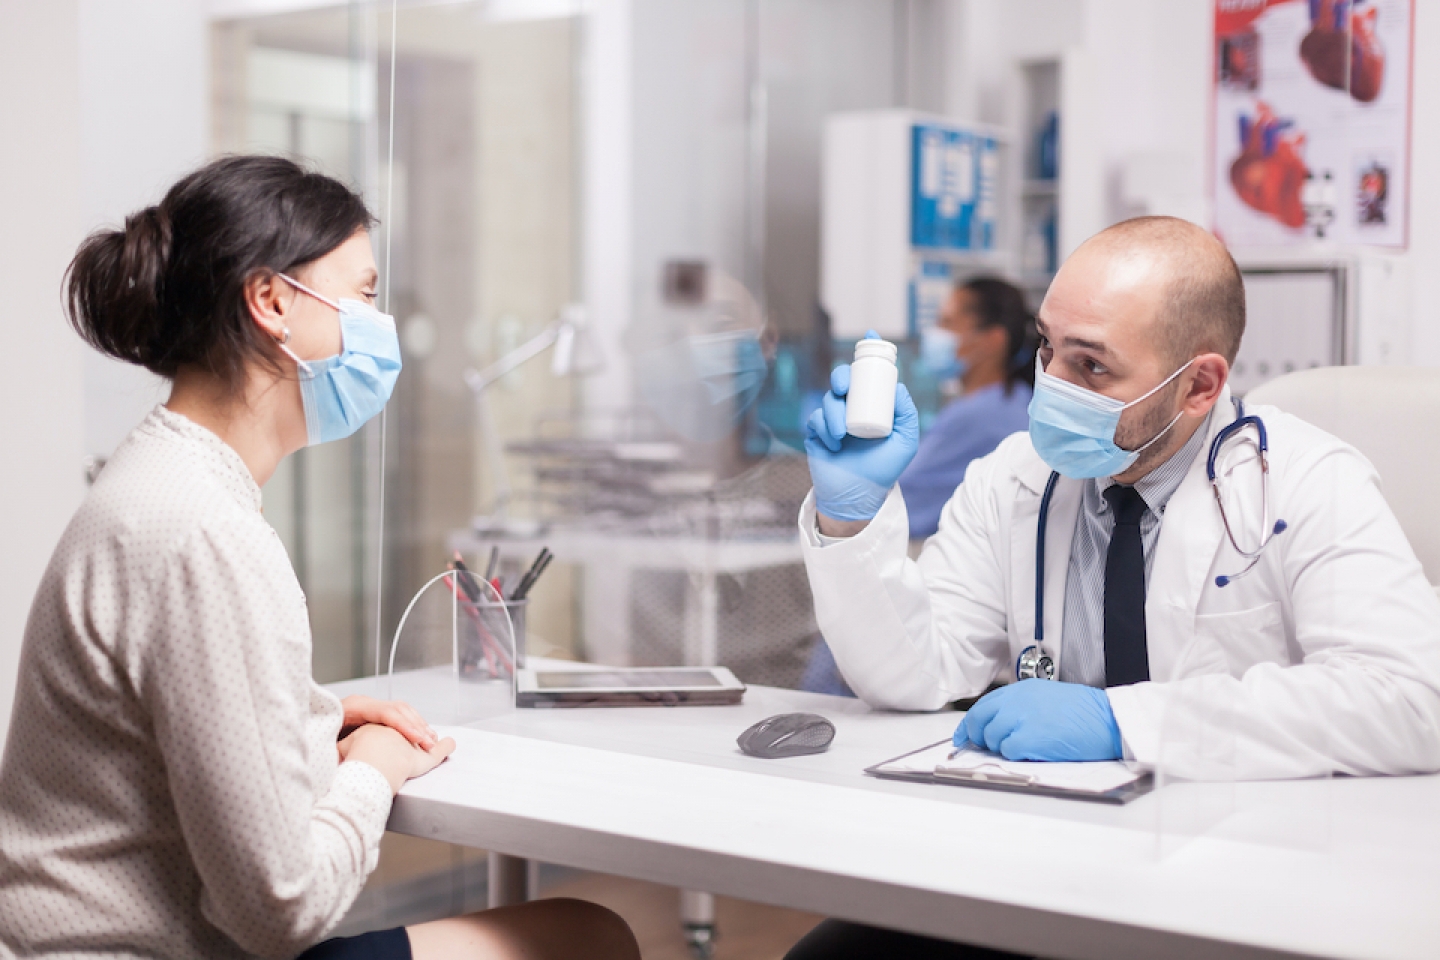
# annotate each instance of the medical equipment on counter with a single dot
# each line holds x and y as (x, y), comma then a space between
(1036, 661)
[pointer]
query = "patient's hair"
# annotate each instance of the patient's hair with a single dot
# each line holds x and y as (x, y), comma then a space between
(1203, 310)
(168, 290)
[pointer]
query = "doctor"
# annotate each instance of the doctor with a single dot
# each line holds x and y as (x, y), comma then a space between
(1324, 657)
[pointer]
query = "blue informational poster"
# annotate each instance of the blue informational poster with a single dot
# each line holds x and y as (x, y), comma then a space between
(953, 189)
(929, 289)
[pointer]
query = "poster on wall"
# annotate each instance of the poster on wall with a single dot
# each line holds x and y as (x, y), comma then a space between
(1312, 122)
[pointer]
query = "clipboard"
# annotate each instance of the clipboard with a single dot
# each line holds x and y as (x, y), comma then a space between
(1010, 777)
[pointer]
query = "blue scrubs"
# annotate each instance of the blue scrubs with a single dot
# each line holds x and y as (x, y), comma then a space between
(968, 427)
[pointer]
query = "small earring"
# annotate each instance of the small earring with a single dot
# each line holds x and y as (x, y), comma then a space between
(291, 353)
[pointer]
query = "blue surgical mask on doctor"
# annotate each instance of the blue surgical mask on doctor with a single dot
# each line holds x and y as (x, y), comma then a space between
(1073, 429)
(342, 392)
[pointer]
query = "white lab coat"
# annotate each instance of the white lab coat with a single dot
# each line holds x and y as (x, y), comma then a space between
(1326, 657)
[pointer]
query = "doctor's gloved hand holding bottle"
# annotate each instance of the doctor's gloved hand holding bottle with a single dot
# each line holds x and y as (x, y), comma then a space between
(852, 475)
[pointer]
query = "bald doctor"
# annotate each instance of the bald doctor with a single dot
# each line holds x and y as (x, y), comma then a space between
(1317, 648)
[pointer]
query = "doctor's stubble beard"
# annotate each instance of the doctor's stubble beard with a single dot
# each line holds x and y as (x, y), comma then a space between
(1157, 412)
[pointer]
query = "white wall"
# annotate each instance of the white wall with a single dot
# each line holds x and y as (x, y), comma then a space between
(606, 194)
(41, 425)
(1421, 336)
(144, 91)
(106, 100)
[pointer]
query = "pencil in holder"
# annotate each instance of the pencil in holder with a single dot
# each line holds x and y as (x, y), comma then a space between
(484, 649)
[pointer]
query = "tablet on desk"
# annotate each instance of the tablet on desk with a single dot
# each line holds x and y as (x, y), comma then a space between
(628, 687)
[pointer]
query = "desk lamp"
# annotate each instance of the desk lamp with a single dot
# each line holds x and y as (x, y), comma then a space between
(576, 354)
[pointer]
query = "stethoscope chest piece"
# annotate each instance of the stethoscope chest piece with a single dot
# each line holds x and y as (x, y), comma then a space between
(1035, 662)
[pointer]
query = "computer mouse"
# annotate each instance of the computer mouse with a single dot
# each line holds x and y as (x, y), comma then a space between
(787, 735)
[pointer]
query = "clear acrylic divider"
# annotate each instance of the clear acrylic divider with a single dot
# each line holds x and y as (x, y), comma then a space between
(1196, 773)
(1240, 761)
(1219, 779)
(454, 653)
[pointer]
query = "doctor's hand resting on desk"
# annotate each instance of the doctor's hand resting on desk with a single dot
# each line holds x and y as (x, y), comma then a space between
(1043, 720)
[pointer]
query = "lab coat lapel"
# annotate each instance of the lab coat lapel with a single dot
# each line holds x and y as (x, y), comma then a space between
(1059, 532)
(1190, 535)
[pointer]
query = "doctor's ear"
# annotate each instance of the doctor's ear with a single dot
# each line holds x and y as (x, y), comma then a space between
(1207, 378)
(270, 302)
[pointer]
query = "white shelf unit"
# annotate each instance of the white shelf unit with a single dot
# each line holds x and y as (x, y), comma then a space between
(873, 275)
(1038, 217)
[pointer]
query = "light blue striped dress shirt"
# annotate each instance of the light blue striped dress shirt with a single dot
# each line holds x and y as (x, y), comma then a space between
(1082, 651)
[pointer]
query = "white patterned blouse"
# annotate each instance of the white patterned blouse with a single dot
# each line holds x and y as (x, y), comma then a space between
(171, 786)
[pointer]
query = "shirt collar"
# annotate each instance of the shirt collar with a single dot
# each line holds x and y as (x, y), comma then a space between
(1157, 486)
(227, 465)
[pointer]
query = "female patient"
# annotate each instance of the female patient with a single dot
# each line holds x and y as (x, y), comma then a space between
(175, 784)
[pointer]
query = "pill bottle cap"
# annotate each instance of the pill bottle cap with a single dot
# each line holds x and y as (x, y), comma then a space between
(883, 349)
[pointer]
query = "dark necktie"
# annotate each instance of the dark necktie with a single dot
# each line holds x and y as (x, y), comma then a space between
(1126, 660)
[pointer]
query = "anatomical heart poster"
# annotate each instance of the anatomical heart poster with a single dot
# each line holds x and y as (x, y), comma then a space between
(1312, 121)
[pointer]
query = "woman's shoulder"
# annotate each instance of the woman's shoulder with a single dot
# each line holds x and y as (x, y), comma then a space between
(165, 482)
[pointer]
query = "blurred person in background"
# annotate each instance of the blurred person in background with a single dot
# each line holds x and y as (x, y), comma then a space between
(984, 341)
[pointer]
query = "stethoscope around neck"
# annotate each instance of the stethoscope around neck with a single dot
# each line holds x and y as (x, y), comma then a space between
(1036, 660)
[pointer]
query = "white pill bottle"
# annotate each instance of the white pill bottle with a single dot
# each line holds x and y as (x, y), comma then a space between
(870, 404)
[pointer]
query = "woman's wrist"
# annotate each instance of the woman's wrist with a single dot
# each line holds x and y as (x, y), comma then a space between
(382, 748)
(387, 750)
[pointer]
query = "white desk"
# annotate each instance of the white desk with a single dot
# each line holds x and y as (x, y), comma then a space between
(663, 795)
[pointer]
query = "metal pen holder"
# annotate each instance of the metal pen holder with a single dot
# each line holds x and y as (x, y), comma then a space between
(483, 650)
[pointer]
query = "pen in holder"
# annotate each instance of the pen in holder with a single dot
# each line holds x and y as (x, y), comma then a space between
(482, 650)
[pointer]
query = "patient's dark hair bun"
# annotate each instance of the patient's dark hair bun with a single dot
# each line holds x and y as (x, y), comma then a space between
(115, 286)
(168, 291)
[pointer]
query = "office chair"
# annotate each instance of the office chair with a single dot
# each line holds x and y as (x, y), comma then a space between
(1392, 416)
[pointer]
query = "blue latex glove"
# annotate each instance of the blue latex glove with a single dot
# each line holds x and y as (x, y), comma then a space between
(1043, 720)
(852, 476)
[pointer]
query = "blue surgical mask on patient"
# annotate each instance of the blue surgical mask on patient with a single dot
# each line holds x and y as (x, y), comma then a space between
(1073, 429)
(342, 392)
(939, 352)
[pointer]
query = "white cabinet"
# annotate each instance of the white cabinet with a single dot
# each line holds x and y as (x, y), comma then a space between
(910, 203)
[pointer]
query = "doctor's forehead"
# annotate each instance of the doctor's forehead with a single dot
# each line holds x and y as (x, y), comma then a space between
(1103, 300)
